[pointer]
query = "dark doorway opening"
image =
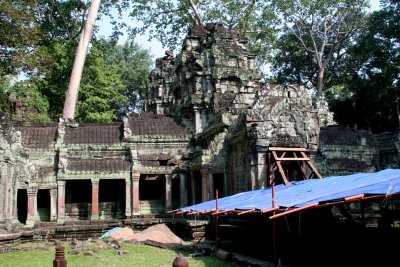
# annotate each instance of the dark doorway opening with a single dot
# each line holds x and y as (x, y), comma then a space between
(112, 199)
(197, 187)
(43, 205)
(152, 194)
(219, 184)
(22, 205)
(175, 193)
(78, 199)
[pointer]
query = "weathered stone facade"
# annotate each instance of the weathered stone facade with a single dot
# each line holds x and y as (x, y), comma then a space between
(207, 125)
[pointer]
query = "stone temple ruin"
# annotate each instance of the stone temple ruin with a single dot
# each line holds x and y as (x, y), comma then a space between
(208, 124)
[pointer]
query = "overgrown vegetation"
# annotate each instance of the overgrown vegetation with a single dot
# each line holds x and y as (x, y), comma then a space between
(336, 47)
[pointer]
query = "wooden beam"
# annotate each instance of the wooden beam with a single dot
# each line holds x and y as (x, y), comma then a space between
(282, 173)
(314, 169)
(287, 149)
(292, 159)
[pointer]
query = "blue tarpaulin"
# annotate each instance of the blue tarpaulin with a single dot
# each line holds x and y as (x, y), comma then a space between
(300, 194)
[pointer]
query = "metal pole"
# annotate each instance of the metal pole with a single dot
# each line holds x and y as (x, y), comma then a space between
(216, 222)
(273, 224)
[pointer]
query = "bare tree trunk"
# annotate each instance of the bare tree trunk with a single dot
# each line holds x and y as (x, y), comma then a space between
(195, 8)
(320, 85)
(81, 52)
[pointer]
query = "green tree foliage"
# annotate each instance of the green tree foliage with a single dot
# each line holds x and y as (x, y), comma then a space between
(376, 78)
(169, 21)
(18, 34)
(314, 39)
(133, 65)
(101, 94)
(22, 101)
(39, 39)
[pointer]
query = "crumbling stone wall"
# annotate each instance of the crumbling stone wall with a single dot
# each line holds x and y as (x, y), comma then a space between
(207, 115)
(212, 88)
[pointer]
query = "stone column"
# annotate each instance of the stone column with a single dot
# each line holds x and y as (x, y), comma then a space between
(211, 189)
(262, 169)
(14, 208)
(203, 121)
(168, 192)
(193, 187)
(253, 173)
(53, 205)
(183, 201)
(95, 199)
(135, 194)
(61, 201)
(128, 197)
(198, 120)
(32, 202)
(204, 183)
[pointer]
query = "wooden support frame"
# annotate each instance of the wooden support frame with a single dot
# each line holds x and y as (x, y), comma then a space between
(277, 156)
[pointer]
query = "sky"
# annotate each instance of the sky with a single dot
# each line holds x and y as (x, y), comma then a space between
(155, 47)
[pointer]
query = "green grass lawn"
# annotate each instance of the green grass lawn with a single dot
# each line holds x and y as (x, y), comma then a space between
(139, 255)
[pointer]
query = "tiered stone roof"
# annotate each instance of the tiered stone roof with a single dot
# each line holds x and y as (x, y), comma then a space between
(147, 123)
(37, 135)
(93, 133)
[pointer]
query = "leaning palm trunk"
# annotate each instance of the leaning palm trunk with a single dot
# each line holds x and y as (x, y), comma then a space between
(81, 52)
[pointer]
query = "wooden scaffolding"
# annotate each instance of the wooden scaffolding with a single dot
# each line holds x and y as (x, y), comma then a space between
(287, 162)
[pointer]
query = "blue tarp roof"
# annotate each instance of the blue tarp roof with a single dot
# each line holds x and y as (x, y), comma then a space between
(303, 193)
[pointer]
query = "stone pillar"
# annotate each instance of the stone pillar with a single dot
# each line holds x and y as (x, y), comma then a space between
(3, 191)
(203, 121)
(32, 206)
(168, 192)
(95, 199)
(53, 205)
(135, 194)
(211, 189)
(253, 173)
(262, 169)
(193, 187)
(61, 201)
(14, 208)
(183, 201)
(227, 187)
(204, 183)
(128, 197)
(198, 120)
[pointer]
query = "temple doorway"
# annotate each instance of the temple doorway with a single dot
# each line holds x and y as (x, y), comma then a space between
(112, 199)
(194, 189)
(22, 205)
(78, 199)
(43, 205)
(218, 181)
(152, 194)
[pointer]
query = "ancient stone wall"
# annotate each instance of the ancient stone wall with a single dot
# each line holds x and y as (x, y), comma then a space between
(209, 121)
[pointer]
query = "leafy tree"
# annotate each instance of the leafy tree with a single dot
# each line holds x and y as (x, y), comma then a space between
(101, 94)
(22, 101)
(133, 65)
(376, 77)
(292, 64)
(169, 21)
(18, 34)
(323, 30)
